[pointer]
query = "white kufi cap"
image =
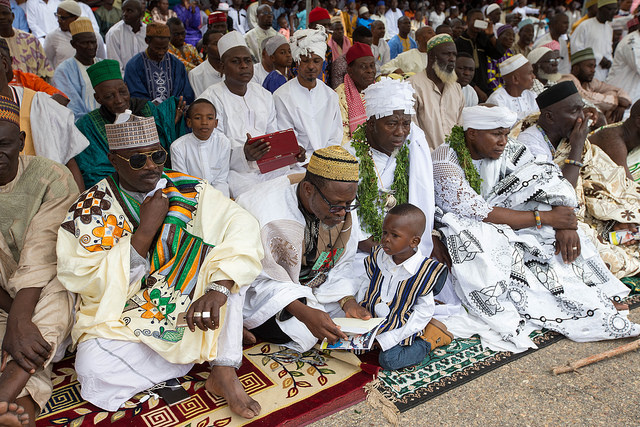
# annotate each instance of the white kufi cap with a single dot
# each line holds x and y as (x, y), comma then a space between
(536, 54)
(230, 40)
(510, 64)
(388, 95)
(485, 118)
(305, 42)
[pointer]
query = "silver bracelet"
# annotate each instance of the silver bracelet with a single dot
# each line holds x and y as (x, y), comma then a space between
(218, 288)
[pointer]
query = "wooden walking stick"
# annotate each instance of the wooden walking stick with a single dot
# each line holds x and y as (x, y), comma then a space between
(572, 366)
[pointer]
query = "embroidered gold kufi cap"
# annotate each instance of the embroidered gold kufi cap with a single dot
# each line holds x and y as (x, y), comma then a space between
(81, 25)
(129, 131)
(334, 163)
(155, 29)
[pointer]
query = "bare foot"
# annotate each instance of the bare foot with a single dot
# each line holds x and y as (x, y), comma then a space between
(620, 306)
(224, 382)
(12, 415)
(247, 337)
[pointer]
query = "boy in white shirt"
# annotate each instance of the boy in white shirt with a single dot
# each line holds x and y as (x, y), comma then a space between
(206, 152)
(400, 286)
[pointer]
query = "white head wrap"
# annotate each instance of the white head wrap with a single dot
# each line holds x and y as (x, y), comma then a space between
(388, 95)
(305, 42)
(485, 118)
(536, 54)
(230, 40)
(510, 64)
(274, 42)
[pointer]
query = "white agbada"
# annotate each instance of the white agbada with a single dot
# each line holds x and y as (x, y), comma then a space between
(392, 22)
(533, 139)
(207, 159)
(598, 36)
(203, 76)
(123, 44)
(392, 274)
(625, 71)
(275, 205)
(57, 47)
(313, 114)
(255, 114)
(523, 105)
(53, 130)
(259, 73)
(564, 66)
(411, 61)
(41, 17)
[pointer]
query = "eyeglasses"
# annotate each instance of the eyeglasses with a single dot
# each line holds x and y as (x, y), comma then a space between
(138, 160)
(551, 61)
(63, 17)
(336, 208)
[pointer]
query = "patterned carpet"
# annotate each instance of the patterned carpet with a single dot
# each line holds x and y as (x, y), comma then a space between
(292, 388)
(445, 368)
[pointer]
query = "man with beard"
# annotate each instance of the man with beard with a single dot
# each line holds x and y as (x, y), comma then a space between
(558, 26)
(439, 99)
(310, 244)
(545, 67)
(597, 34)
(516, 94)
(413, 60)
(610, 100)
(305, 103)
(361, 72)
(71, 75)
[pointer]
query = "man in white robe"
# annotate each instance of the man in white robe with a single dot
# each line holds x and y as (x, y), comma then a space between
(305, 103)
(597, 34)
(207, 73)
(413, 60)
(244, 109)
(132, 286)
(310, 243)
(625, 71)
(262, 31)
(558, 27)
(127, 38)
(71, 76)
(516, 94)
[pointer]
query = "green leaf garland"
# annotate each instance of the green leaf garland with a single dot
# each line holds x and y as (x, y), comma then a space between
(457, 142)
(371, 200)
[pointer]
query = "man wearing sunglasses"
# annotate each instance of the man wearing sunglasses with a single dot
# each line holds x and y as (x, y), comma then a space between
(145, 248)
(310, 243)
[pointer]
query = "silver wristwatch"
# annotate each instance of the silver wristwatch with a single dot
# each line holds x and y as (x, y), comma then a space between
(218, 288)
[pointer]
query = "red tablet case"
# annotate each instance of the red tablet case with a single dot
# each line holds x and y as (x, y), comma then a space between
(283, 152)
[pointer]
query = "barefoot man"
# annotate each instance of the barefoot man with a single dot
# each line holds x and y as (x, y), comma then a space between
(140, 248)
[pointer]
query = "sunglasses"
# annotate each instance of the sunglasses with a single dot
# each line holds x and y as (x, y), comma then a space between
(138, 160)
(336, 208)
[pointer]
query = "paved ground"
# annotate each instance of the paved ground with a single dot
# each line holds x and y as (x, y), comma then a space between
(526, 393)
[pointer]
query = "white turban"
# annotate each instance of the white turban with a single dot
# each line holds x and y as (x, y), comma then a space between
(486, 118)
(230, 40)
(305, 42)
(388, 95)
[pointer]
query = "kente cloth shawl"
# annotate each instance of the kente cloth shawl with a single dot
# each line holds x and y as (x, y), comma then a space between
(605, 196)
(205, 238)
(94, 163)
(509, 280)
(282, 230)
(32, 206)
(151, 80)
(49, 126)
(69, 79)
(357, 111)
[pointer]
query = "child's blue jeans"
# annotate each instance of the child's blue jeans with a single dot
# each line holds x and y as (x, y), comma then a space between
(401, 356)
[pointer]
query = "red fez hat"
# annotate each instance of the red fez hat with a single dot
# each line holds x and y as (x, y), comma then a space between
(358, 50)
(318, 14)
(217, 17)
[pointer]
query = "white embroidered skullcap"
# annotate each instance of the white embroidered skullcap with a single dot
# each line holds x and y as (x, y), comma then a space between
(230, 40)
(491, 8)
(484, 118)
(511, 64)
(70, 6)
(129, 131)
(536, 54)
(274, 42)
(305, 42)
(388, 95)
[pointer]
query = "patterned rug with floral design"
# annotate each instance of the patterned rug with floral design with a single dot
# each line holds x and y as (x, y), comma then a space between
(445, 368)
(292, 388)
